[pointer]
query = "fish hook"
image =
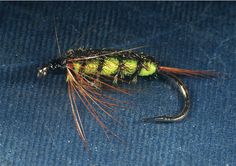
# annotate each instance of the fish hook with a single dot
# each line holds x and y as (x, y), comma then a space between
(174, 118)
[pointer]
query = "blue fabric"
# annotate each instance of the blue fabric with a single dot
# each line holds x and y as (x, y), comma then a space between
(36, 124)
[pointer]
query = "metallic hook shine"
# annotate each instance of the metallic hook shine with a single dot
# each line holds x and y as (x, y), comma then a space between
(184, 91)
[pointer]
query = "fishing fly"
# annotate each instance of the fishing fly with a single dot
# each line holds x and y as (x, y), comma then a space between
(90, 71)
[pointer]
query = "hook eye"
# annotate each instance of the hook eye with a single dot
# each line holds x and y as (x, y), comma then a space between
(185, 110)
(42, 72)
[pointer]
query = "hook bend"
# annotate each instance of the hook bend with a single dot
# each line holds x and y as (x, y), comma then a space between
(174, 118)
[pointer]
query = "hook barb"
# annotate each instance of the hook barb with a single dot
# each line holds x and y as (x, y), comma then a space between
(184, 91)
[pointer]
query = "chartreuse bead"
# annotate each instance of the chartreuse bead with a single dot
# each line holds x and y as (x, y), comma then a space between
(130, 66)
(148, 69)
(110, 66)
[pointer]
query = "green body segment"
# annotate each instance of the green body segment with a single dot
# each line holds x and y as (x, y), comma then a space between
(111, 66)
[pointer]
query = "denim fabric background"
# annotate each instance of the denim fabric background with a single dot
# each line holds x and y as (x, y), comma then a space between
(36, 124)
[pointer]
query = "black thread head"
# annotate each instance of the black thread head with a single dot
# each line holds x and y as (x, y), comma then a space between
(55, 65)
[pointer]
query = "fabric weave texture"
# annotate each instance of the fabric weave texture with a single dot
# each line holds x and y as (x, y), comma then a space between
(36, 123)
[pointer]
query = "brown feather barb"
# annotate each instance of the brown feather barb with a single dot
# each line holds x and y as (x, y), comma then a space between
(187, 72)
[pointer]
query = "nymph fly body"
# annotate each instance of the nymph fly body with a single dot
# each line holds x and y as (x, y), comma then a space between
(88, 70)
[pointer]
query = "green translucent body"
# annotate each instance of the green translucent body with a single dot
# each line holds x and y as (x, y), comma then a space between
(111, 66)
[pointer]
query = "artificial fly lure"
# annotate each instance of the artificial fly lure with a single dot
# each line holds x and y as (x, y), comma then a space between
(89, 70)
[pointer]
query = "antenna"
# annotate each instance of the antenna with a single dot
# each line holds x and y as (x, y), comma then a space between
(57, 40)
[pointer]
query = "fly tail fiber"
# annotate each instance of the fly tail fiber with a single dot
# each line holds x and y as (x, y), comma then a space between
(187, 72)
